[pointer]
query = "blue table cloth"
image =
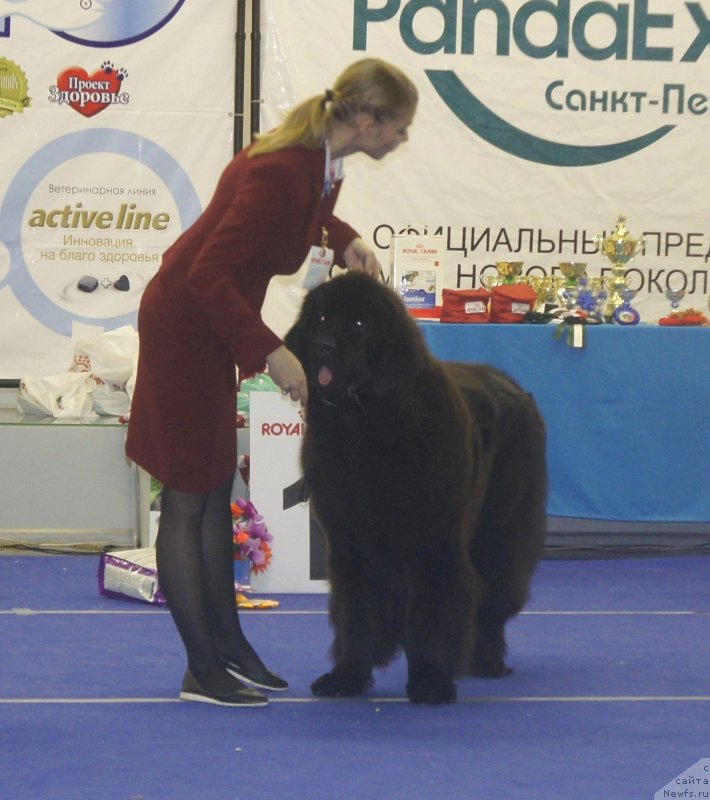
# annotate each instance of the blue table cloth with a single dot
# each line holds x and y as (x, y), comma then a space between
(628, 416)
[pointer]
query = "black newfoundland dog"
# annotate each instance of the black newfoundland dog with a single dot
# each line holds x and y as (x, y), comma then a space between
(429, 481)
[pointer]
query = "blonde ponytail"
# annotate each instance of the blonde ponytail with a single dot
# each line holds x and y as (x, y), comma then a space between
(370, 85)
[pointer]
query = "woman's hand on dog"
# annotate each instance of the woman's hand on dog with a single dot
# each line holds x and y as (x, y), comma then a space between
(287, 372)
(359, 256)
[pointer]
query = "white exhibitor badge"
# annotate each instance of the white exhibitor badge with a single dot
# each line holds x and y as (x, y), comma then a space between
(276, 427)
(319, 263)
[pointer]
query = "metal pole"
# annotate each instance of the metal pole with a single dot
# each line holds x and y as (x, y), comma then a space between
(256, 98)
(239, 76)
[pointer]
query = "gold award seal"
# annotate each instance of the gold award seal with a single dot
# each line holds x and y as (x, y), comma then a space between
(13, 88)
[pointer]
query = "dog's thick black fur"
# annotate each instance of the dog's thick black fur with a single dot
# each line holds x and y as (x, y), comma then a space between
(429, 480)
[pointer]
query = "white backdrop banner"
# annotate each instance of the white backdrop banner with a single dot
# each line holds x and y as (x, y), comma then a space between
(115, 122)
(539, 122)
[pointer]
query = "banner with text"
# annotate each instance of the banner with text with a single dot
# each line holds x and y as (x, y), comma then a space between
(115, 122)
(538, 124)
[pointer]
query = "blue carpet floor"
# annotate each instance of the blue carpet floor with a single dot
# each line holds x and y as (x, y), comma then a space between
(609, 698)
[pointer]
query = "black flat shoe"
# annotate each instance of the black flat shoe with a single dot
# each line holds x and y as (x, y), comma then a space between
(239, 696)
(262, 679)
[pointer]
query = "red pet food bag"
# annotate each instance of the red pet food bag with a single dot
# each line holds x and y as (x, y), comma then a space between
(465, 305)
(511, 302)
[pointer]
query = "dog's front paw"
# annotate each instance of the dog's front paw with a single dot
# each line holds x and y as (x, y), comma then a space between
(431, 686)
(489, 665)
(339, 684)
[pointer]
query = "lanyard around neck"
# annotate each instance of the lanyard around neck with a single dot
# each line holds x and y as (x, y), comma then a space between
(333, 170)
(328, 181)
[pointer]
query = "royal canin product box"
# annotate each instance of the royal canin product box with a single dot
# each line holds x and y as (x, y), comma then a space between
(417, 272)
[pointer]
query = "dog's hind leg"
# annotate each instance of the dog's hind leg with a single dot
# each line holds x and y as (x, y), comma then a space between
(509, 541)
(488, 660)
(506, 570)
(506, 564)
(438, 635)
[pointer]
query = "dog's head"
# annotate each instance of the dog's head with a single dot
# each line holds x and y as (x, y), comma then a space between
(355, 339)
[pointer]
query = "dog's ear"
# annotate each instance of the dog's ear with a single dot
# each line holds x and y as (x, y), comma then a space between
(401, 352)
(296, 338)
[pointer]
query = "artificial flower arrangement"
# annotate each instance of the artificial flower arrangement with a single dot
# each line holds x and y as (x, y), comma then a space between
(251, 536)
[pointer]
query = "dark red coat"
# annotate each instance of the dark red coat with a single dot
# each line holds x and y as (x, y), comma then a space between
(200, 314)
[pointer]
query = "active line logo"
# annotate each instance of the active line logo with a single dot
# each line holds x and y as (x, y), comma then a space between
(13, 89)
(560, 31)
(90, 94)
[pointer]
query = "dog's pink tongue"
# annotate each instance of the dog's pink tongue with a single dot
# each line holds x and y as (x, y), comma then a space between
(325, 376)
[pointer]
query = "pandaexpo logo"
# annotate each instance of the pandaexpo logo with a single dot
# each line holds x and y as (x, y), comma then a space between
(634, 32)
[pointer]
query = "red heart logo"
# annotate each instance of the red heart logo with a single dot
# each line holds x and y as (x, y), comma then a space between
(89, 94)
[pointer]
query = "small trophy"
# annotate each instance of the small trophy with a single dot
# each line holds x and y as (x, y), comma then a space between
(546, 288)
(625, 314)
(538, 284)
(586, 297)
(619, 248)
(573, 271)
(509, 270)
(489, 281)
(675, 296)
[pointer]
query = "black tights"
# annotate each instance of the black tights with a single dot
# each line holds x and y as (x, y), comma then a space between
(195, 565)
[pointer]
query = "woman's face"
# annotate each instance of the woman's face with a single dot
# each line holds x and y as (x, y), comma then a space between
(376, 139)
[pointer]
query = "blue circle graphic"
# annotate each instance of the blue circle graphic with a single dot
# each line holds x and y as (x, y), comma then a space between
(123, 22)
(53, 155)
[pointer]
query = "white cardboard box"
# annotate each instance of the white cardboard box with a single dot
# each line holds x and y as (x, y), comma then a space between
(417, 269)
(275, 437)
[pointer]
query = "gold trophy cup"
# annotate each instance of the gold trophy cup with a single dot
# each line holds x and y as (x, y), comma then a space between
(619, 248)
(573, 271)
(509, 270)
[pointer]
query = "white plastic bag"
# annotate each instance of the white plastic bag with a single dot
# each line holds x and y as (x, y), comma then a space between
(112, 355)
(110, 400)
(65, 396)
(111, 358)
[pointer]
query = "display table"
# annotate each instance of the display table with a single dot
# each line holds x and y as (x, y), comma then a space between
(628, 416)
(66, 481)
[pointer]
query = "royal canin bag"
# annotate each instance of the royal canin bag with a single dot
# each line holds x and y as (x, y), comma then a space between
(511, 302)
(465, 305)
